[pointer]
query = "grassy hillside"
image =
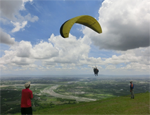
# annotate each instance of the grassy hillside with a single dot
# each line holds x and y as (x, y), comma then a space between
(116, 105)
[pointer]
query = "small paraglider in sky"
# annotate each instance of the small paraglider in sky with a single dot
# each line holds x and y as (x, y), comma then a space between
(95, 71)
(86, 20)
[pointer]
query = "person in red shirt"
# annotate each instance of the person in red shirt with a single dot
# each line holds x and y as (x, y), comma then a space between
(26, 107)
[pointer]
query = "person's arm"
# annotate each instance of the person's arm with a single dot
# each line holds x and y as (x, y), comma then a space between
(31, 95)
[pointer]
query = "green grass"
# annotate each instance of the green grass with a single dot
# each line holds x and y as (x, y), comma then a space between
(114, 105)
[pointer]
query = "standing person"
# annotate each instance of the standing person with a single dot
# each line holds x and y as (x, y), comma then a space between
(131, 90)
(26, 107)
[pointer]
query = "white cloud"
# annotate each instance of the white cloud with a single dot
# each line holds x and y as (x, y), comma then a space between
(125, 25)
(2, 67)
(9, 8)
(44, 50)
(23, 49)
(57, 52)
(9, 11)
(4, 21)
(70, 50)
(18, 25)
(69, 55)
(111, 67)
(30, 18)
(27, 0)
(6, 38)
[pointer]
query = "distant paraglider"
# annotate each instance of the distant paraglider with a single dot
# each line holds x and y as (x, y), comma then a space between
(95, 71)
(86, 20)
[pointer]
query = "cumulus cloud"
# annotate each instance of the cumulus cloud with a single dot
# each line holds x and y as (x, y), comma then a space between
(59, 54)
(6, 38)
(55, 51)
(70, 50)
(135, 59)
(18, 55)
(125, 25)
(23, 49)
(44, 50)
(10, 8)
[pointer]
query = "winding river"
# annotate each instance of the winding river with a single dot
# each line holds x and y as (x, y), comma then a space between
(51, 92)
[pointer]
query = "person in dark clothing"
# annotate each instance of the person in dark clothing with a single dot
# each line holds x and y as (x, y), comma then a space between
(95, 71)
(26, 107)
(131, 90)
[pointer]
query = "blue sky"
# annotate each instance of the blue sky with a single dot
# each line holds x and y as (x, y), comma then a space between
(30, 40)
(51, 15)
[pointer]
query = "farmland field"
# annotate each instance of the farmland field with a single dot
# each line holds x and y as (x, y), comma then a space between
(69, 89)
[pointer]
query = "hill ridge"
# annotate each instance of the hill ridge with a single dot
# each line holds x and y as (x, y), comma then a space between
(113, 105)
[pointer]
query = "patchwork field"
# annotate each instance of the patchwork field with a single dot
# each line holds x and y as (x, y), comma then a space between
(54, 91)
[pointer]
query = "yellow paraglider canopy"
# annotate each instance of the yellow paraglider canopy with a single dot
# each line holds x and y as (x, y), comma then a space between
(86, 20)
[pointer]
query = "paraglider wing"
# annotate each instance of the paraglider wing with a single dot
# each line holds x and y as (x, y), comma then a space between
(86, 20)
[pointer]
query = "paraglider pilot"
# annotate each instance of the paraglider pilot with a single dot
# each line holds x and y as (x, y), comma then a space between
(95, 71)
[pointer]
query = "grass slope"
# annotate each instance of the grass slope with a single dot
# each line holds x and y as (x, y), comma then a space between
(115, 105)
